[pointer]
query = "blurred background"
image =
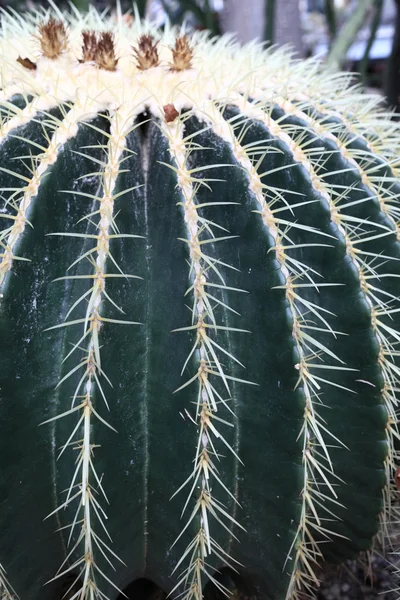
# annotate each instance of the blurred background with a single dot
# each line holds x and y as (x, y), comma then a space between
(361, 36)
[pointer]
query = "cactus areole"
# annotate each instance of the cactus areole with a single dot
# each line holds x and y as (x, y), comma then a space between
(199, 313)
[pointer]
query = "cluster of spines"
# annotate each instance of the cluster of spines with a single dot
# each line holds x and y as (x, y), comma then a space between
(53, 38)
(21, 198)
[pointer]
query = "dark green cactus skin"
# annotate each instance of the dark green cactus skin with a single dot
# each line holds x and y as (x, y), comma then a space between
(150, 456)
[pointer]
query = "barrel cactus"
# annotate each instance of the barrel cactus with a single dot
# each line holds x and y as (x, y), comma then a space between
(199, 313)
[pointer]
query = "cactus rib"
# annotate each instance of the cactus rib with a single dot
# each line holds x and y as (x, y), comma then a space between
(209, 367)
(120, 124)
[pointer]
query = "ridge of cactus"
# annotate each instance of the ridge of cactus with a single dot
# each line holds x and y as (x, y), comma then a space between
(209, 315)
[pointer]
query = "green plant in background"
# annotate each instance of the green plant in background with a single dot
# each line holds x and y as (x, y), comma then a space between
(351, 27)
(204, 16)
(82, 5)
(270, 9)
(199, 313)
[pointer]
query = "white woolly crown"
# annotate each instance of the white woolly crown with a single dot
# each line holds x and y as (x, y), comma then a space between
(220, 68)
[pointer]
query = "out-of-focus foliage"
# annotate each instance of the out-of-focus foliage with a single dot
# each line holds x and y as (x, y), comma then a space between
(348, 32)
(24, 5)
(199, 14)
(202, 13)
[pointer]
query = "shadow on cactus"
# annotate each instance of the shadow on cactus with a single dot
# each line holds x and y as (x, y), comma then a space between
(199, 314)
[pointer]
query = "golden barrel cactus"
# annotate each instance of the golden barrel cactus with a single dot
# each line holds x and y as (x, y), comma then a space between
(199, 312)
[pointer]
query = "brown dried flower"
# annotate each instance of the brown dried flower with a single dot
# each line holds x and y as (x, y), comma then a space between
(89, 46)
(182, 54)
(27, 63)
(146, 53)
(170, 113)
(53, 38)
(105, 55)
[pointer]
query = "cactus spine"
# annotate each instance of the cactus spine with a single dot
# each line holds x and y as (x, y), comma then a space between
(177, 210)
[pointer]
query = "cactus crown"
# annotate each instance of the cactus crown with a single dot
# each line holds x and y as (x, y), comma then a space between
(89, 66)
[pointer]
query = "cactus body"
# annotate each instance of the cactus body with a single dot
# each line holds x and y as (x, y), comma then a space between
(199, 274)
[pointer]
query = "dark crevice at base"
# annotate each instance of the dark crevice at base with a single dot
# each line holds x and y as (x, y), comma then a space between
(143, 120)
(236, 586)
(67, 586)
(143, 589)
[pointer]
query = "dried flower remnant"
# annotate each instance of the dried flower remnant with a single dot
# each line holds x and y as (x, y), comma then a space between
(89, 46)
(182, 54)
(53, 38)
(27, 63)
(105, 53)
(146, 53)
(170, 113)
